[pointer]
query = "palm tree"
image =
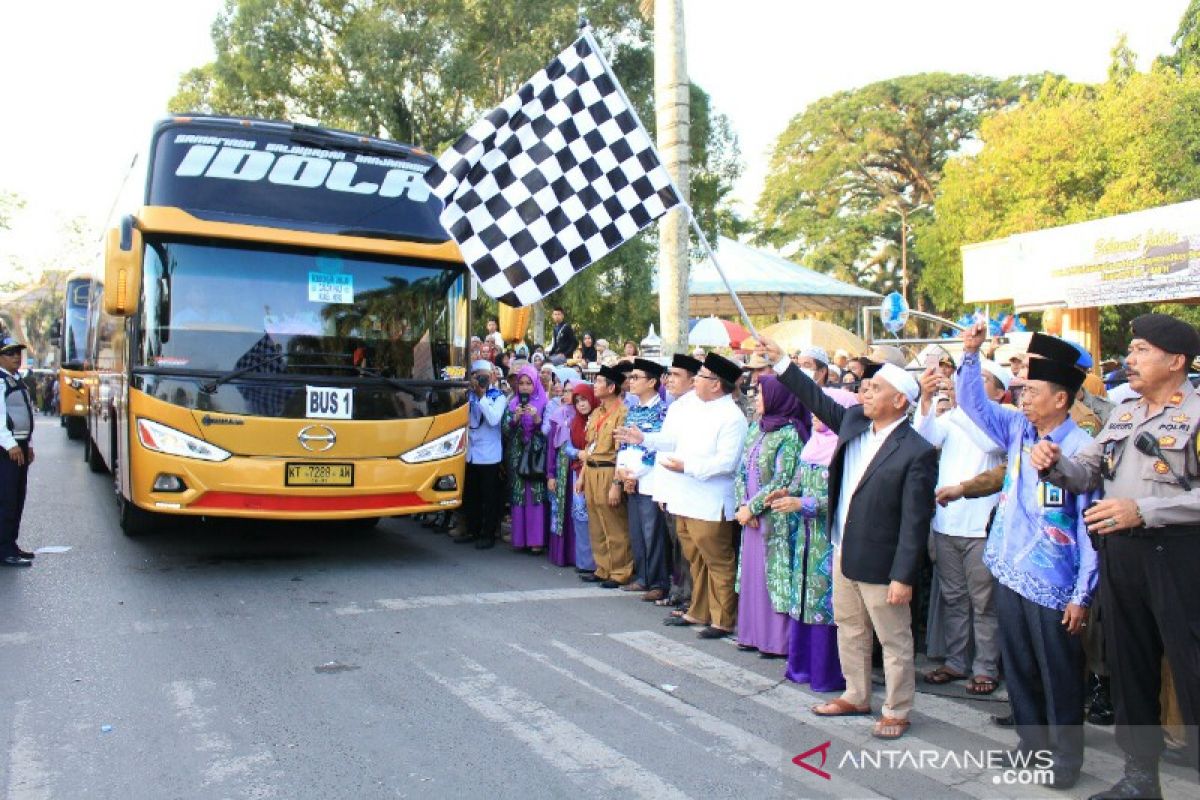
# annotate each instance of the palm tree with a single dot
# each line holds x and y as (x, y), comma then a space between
(672, 115)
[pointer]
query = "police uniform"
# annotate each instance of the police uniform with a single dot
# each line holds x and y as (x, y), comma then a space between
(14, 477)
(1149, 574)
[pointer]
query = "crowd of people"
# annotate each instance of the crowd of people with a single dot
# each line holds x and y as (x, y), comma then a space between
(795, 501)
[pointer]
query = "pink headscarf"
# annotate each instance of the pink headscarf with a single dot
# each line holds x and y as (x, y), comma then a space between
(537, 398)
(820, 446)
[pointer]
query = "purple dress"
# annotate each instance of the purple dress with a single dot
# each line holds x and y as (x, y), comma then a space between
(759, 624)
(562, 526)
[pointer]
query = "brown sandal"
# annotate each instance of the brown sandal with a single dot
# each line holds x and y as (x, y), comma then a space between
(841, 708)
(982, 685)
(890, 728)
(942, 676)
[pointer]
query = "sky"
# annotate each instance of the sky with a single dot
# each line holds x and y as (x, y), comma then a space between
(78, 99)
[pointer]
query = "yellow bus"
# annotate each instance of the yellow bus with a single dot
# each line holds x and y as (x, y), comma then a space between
(72, 354)
(281, 332)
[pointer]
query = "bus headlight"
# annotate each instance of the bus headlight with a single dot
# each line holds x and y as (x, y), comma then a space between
(158, 437)
(445, 446)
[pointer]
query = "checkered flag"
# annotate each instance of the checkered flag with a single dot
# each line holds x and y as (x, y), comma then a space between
(557, 176)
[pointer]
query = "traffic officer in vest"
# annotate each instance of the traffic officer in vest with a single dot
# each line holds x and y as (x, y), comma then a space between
(1148, 534)
(17, 456)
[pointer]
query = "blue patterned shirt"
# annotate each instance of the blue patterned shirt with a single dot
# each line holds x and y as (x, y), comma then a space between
(1038, 545)
(647, 418)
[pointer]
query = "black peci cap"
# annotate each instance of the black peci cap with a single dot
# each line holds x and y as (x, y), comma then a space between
(869, 368)
(686, 363)
(1167, 333)
(613, 375)
(1053, 348)
(651, 368)
(1065, 375)
(723, 368)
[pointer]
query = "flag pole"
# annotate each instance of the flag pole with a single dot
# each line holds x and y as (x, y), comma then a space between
(586, 31)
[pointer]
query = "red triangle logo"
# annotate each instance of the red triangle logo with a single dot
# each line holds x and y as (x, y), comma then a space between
(823, 749)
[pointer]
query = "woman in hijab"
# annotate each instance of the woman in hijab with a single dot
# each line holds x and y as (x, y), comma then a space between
(812, 636)
(569, 465)
(558, 477)
(522, 422)
(588, 349)
(765, 569)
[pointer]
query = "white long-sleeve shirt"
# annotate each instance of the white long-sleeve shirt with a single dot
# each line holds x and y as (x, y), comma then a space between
(708, 438)
(966, 452)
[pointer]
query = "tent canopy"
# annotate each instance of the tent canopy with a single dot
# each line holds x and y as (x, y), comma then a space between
(767, 284)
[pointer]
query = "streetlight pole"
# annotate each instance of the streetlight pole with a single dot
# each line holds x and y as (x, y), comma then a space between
(903, 210)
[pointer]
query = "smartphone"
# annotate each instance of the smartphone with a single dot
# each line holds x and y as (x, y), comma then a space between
(931, 360)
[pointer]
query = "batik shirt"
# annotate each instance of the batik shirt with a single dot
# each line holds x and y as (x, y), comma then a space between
(1038, 545)
(647, 418)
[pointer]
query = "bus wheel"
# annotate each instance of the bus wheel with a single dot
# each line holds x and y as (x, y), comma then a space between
(76, 427)
(135, 521)
(92, 456)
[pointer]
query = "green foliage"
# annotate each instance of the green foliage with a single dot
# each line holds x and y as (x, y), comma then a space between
(10, 204)
(851, 166)
(1186, 41)
(422, 72)
(1075, 153)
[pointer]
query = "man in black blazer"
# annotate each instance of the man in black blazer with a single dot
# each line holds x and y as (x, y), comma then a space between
(881, 496)
(563, 341)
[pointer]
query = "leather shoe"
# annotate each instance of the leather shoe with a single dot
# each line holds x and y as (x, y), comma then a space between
(590, 577)
(609, 584)
(485, 544)
(15, 561)
(1006, 721)
(1139, 782)
(462, 538)
(713, 633)
(1063, 779)
(26, 554)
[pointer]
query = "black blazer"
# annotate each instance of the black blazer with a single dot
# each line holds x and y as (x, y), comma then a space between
(564, 342)
(885, 535)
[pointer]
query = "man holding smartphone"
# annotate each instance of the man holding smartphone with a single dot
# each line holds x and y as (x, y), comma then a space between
(482, 486)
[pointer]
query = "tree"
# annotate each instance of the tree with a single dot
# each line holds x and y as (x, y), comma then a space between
(1186, 41)
(855, 169)
(1076, 153)
(10, 204)
(422, 72)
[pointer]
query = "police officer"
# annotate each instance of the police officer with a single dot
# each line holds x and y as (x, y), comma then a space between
(17, 455)
(1148, 527)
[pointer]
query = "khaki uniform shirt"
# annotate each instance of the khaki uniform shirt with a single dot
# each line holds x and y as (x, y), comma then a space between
(601, 446)
(1127, 473)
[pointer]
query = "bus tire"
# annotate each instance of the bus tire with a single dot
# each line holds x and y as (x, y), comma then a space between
(135, 522)
(76, 427)
(91, 454)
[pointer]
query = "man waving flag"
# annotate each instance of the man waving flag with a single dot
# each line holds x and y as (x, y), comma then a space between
(557, 176)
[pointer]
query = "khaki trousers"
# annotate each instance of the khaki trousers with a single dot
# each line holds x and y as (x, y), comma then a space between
(860, 609)
(608, 527)
(708, 547)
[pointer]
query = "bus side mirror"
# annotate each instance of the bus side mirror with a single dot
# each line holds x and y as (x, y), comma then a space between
(122, 268)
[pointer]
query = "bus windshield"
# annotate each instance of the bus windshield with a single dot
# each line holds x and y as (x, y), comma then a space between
(273, 312)
(75, 320)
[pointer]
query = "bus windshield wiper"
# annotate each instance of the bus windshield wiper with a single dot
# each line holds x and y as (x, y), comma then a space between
(211, 386)
(367, 372)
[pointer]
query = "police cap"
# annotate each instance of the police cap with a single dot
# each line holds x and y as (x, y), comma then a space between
(1168, 334)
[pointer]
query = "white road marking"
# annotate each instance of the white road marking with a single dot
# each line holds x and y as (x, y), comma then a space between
(731, 737)
(479, 598)
(222, 765)
(790, 701)
(28, 777)
(583, 758)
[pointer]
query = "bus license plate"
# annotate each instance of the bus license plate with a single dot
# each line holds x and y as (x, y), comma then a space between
(319, 475)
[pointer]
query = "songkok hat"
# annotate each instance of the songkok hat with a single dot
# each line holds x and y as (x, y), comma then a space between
(1002, 374)
(482, 365)
(623, 366)
(900, 380)
(816, 354)
(723, 368)
(651, 368)
(1065, 375)
(686, 363)
(1053, 348)
(613, 375)
(1166, 333)
(869, 368)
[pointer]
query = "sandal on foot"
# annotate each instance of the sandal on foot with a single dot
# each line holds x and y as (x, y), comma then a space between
(982, 685)
(890, 728)
(840, 708)
(680, 622)
(942, 676)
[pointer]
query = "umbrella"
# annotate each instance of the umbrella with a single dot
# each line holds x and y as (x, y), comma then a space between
(797, 333)
(713, 332)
